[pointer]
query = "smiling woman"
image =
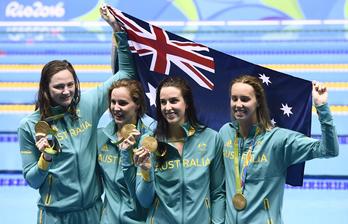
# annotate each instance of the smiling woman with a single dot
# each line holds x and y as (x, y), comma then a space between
(116, 143)
(62, 88)
(173, 105)
(126, 102)
(258, 154)
(59, 86)
(184, 182)
(69, 184)
(243, 102)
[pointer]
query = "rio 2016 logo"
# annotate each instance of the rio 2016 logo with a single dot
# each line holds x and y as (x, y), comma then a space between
(36, 10)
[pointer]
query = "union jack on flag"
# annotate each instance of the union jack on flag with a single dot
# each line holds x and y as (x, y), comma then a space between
(158, 53)
(164, 50)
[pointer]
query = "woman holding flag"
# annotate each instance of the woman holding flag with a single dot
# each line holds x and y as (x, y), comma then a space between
(58, 142)
(183, 181)
(127, 107)
(258, 154)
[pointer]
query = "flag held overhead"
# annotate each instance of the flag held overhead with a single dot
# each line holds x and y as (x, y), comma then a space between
(159, 53)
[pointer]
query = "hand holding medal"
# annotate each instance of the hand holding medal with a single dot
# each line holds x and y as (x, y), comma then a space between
(45, 140)
(150, 143)
(127, 130)
(142, 155)
(128, 134)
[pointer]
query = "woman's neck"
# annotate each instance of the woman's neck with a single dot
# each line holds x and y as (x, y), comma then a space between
(176, 132)
(177, 137)
(245, 128)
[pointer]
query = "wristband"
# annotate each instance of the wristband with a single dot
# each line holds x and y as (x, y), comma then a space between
(43, 163)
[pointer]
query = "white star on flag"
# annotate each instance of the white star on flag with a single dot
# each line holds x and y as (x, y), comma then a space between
(286, 109)
(151, 95)
(273, 122)
(264, 78)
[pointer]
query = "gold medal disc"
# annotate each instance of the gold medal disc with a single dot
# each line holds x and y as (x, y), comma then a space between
(42, 128)
(239, 201)
(150, 143)
(127, 130)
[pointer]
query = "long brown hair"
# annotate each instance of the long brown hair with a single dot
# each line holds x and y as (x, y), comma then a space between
(162, 130)
(44, 100)
(262, 111)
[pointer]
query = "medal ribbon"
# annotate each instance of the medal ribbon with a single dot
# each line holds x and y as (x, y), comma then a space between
(236, 165)
(240, 177)
(57, 116)
(54, 117)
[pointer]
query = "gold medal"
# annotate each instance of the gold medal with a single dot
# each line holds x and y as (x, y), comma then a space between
(126, 130)
(43, 129)
(239, 201)
(150, 143)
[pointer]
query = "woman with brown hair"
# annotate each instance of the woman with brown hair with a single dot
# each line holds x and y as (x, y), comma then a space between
(127, 107)
(257, 154)
(58, 141)
(184, 182)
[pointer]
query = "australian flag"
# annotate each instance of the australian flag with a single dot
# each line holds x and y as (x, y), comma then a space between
(159, 53)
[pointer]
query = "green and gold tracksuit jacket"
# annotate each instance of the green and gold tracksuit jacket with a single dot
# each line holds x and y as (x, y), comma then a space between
(189, 188)
(70, 182)
(119, 174)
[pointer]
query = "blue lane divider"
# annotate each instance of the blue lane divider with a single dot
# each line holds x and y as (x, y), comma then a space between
(323, 184)
(329, 183)
(8, 137)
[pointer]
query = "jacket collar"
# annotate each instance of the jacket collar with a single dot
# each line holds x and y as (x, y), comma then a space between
(252, 131)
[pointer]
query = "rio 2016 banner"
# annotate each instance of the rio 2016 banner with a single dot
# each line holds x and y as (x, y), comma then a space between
(175, 10)
(26, 10)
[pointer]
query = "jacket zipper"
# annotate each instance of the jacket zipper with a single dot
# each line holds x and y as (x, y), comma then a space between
(115, 181)
(41, 216)
(48, 196)
(182, 186)
(207, 204)
(152, 220)
(267, 206)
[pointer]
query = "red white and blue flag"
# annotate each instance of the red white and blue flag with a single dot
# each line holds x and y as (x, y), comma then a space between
(159, 53)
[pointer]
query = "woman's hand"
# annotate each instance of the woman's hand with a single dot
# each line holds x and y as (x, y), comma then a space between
(129, 142)
(42, 143)
(141, 158)
(319, 93)
(110, 19)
